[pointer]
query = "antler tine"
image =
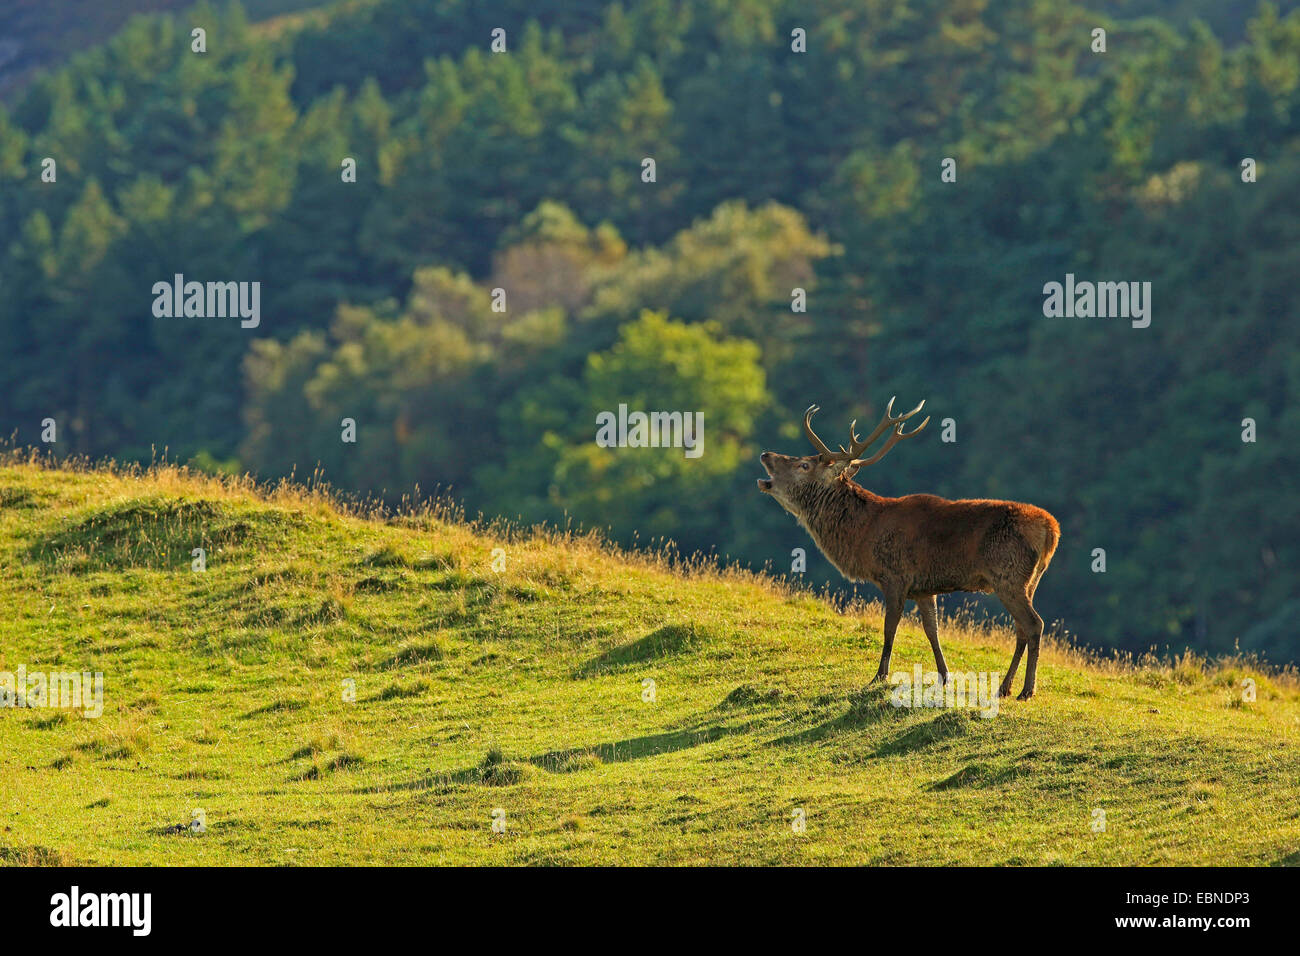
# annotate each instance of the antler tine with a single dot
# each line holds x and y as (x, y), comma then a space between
(812, 435)
(906, 415)
(890, 420)
(885, 423)
(894, 439)
(853, 439)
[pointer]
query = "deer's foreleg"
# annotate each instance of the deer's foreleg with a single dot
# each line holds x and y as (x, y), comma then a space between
(894, 600)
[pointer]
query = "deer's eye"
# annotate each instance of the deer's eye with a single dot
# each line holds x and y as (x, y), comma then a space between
(803, 465)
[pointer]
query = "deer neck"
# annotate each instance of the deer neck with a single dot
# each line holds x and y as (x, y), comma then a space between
(837, 515)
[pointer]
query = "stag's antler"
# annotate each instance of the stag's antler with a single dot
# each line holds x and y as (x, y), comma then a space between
(858, 445)
(889, 421)
(817, 443)
(894, 439)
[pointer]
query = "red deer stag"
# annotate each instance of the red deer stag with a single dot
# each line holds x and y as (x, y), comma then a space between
(917, 546)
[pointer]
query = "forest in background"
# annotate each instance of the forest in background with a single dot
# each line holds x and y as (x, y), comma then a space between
(775, 170)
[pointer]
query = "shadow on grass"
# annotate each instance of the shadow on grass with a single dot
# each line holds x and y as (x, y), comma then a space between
(635, 748)
(980, 776)
(945, 726)
(487, 774)
(275, 707)
(496, 771)
(866, 709)
(667, 641)
(417, 652)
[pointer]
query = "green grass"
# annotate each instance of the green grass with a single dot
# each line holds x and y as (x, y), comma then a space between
(522, 691)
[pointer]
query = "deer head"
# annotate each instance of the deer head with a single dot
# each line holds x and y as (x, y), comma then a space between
(794, 481)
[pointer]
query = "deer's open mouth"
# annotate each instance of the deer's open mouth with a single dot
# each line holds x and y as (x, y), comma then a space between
(765, 484)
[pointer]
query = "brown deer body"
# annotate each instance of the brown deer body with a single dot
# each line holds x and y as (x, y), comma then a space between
(918, 546)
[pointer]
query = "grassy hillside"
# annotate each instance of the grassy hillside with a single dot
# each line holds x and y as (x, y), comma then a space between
(521, 690)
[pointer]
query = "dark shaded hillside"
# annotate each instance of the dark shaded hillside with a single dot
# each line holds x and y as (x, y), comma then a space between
(41, 34)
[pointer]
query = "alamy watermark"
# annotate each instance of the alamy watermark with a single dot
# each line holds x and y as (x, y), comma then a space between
(651, 430)
(208, 300)
(920, 688)
(1102, 300)
(57, 690)
(133, 911)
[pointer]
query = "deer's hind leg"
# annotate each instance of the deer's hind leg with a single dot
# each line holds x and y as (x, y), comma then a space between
(1004, 689)
(929, 612)
(1029, 634)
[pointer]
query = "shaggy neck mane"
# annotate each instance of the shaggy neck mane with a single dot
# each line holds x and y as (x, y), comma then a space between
(834, 514)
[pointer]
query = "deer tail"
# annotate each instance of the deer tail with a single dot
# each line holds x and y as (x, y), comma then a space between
(1051, 530)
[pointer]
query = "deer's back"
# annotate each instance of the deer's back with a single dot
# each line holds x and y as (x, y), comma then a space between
(934, 545)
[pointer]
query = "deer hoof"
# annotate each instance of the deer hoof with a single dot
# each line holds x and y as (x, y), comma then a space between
(879, 678)
(1004, 691)
(1025, 694)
